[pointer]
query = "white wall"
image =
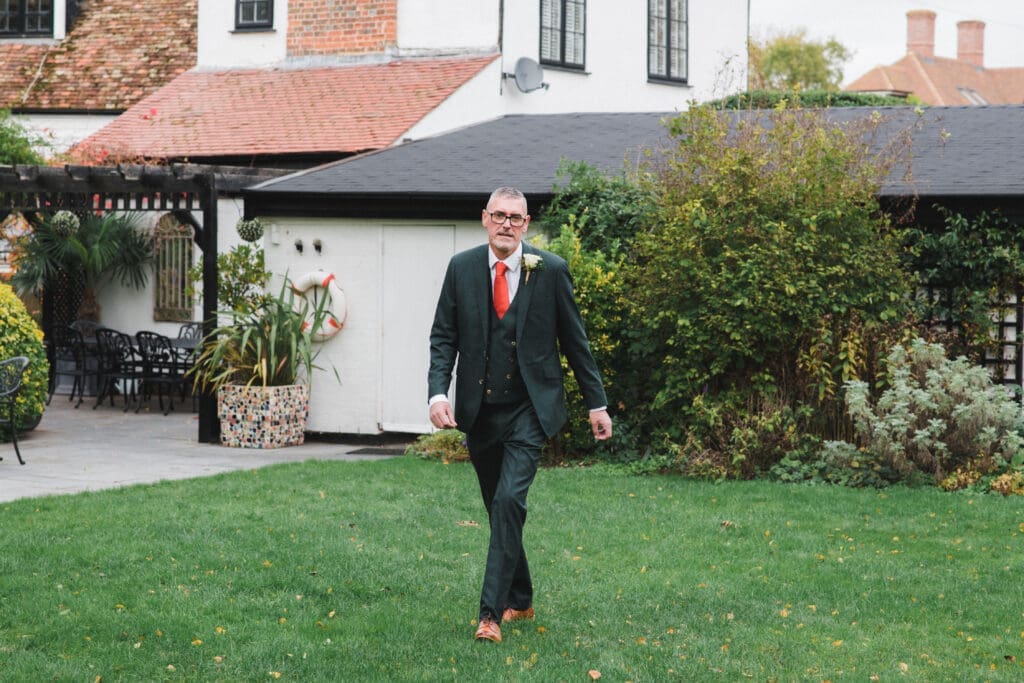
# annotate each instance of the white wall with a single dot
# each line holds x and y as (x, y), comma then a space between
(220, 46)
(381, 356)
(448, 25)
(59, 132)
(615, 77)
(130, 310)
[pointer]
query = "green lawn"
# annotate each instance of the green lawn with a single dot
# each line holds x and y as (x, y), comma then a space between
(371, 571)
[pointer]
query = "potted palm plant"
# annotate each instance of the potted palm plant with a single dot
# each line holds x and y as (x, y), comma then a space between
(259, 364)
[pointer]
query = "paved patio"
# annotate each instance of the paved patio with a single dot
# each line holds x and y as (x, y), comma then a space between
(82, 449)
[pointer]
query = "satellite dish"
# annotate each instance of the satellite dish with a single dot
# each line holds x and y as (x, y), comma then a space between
(528, 75)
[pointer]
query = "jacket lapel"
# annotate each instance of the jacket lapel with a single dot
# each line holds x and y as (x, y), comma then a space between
(524, 294)
(482, 283)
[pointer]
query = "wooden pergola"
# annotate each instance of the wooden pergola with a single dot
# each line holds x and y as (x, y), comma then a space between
(183, 190)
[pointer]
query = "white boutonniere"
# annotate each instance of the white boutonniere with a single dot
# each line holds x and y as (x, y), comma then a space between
(531, 262)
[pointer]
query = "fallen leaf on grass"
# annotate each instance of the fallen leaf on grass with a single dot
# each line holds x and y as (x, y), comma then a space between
(467, 522)
(594, 674)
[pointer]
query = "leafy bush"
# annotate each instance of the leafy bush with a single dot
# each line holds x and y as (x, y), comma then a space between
(968, 269)
(447, 445)
(601, 299)
(241, 277)
(937, 415)
(770, 99)
(769, 238)
(20, 336)
(16, 144)
(613, 209)
(836, 462)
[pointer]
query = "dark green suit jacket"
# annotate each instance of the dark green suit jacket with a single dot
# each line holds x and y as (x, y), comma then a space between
(547, 322)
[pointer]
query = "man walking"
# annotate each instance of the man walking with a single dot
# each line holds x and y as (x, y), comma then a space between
(506, 310)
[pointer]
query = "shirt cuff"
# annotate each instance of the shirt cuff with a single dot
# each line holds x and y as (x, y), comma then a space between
(597, 410)
(436, 398)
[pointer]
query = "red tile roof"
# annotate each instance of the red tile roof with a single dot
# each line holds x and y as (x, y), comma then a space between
(18, 65)
(942, 81)
(252, 112)
(117, 52)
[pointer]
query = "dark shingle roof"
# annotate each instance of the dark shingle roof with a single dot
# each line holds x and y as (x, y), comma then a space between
(957, 152)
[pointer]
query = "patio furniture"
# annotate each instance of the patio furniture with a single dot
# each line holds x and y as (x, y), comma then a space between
(73, 357)
(87, 328)
(120, 366)
(162, 368)
(11, 372)
(191, 330)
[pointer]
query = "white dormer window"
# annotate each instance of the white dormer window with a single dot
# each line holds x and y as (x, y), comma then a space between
(253, 14)
(26, 18)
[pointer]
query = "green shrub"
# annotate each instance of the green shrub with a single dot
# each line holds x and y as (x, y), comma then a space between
(20, 336)
(836, 462)
(447, 445)
(241, 278)
(937, 415)
(770, 99)
(601, 299)
(769, 235)
(16, 143)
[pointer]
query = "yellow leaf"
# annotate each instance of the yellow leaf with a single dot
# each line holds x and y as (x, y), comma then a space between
(274, 674)
(219, 630)
(281, 620)
(541, 629)
(197, 642)
(783, 612)
(836, 643)
(266, 563)
(170, 667)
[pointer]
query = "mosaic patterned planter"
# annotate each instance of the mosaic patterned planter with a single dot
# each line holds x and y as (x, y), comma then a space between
(262, 417)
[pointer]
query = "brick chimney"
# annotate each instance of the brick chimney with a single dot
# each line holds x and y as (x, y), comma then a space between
(921, 32)
(970, 42)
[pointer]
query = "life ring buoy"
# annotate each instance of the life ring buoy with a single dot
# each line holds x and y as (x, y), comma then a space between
(336, 311)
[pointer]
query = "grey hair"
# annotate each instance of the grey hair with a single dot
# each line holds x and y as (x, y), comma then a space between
(510, 193)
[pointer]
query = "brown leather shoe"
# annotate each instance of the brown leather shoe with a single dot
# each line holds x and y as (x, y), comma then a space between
(489, 630)
(516, 614)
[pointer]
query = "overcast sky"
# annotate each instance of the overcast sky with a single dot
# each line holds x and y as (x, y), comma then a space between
(876, 30)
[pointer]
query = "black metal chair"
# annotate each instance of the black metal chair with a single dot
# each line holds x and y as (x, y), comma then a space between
(162, 368)
(73, 357)
(11, 372)
(86, 327)
(120, 366)
(191, 330)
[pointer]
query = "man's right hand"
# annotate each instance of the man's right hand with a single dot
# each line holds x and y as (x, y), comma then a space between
(441, 415)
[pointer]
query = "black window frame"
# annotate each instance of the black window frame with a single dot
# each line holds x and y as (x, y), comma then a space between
(665, 24)
(561, 60)
(254, 25)
(21, 14)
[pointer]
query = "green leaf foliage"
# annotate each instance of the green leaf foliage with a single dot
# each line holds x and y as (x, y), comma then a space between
(16, 144)
(21, 336)
(938, 415)
(108, 247)
(808, 99)
(768, 233)
(268, 344)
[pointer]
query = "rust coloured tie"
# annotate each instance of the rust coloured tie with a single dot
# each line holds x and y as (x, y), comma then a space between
(500, 289)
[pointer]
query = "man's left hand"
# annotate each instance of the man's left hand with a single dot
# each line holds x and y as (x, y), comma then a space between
(601, 424)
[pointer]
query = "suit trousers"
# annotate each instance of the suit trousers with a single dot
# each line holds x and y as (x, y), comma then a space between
(505, 445)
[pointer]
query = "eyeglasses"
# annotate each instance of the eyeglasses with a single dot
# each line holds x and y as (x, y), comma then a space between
(516, 220)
